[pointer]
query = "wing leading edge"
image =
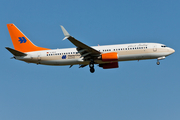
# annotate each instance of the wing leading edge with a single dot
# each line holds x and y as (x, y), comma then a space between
(86, 51)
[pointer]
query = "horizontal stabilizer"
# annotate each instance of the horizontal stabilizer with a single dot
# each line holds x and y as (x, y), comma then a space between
(15, 52)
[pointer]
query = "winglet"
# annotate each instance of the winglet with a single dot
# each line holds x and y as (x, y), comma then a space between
(66, 34)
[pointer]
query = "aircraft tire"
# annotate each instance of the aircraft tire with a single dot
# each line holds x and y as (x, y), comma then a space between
(92, 70)
(91, 65)
(158, 63)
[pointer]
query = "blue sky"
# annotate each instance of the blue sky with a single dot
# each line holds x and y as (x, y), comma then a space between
(136, 90)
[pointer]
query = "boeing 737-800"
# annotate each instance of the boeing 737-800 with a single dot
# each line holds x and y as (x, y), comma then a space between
(105, 56)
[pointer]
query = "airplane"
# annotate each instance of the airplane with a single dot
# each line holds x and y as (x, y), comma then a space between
(106, 56)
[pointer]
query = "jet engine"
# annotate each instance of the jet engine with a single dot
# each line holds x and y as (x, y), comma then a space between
(109, 65)
(112, 56)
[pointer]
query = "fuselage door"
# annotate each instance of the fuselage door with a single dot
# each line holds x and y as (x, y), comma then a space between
(155, 48)
(39, 56)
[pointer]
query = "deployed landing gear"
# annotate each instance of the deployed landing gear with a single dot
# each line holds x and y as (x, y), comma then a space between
(91, 65)
(160, 58)
(158, 63)
(92, 70)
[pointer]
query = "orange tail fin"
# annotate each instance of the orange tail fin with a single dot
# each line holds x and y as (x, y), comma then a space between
(20, 41)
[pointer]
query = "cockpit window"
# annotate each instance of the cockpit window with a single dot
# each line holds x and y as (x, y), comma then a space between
(163, 46)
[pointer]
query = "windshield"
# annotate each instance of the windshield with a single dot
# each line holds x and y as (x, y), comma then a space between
(163, 46)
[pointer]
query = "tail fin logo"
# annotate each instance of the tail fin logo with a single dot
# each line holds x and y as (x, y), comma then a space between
(22, 40)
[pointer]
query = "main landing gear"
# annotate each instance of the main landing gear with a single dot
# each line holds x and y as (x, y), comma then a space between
(91, 66)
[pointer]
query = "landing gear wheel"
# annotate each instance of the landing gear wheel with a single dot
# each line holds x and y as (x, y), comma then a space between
(91, 65)
(158, 63)
(92, 70)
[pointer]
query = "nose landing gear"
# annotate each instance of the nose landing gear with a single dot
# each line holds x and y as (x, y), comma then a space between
(160, 58)
(158, 63)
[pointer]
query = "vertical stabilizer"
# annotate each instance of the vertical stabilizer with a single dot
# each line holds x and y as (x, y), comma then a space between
(20, 41)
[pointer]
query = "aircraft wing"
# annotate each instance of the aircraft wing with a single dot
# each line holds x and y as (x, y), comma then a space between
(86, 51)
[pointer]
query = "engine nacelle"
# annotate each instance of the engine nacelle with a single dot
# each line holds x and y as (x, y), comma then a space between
(112, 56)
(109, 65)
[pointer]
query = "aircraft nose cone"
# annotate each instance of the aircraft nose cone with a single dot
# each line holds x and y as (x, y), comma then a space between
(172, 50)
